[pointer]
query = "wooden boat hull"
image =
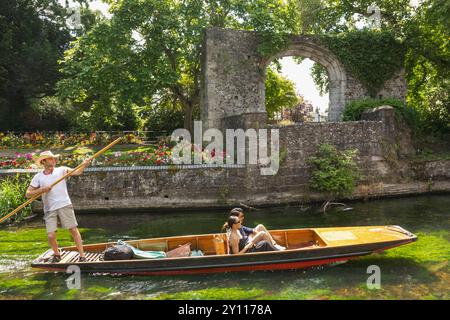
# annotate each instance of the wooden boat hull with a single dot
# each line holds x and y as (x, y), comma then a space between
(326, 249)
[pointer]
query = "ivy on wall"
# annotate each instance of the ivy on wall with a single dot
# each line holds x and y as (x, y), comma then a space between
(372, 57)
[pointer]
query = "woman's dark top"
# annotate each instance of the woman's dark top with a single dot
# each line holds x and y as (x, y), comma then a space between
(243, 241)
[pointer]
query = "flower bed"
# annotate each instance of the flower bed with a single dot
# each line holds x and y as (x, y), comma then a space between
(148, 156)
(86, 146)
(10, 140)
(151, 156)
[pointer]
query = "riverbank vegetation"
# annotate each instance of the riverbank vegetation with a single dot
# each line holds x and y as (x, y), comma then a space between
(12, 195)
(333, 172)
(417, 33)
(353, 110)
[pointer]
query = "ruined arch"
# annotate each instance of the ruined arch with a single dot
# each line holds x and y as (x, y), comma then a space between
(233, 74)
(306, 47)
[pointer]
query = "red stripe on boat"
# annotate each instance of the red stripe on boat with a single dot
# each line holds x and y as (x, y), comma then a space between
(274, 266)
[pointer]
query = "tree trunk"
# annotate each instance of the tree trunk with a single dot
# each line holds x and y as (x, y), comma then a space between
(188, 123)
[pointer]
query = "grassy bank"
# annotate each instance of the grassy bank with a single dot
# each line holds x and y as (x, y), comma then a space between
(12, 195)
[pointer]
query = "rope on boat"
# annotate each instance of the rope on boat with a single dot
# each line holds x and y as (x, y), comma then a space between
(400, 230)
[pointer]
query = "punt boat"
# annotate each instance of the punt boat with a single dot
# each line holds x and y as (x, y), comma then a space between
(305, 248)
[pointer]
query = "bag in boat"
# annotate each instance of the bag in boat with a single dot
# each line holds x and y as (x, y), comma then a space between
(140, 254)
(118, 252)
(182, 251)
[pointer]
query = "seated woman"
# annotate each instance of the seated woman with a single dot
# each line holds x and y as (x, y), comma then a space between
(240, 243)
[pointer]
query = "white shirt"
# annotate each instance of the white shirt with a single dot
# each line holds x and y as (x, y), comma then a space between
(58, 197)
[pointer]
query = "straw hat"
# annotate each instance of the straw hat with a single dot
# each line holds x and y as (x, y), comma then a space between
(45, 155)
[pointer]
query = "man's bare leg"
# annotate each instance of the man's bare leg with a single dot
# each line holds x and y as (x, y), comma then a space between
(260, 236)
(77, 239)
(53, 243)
(261, 228)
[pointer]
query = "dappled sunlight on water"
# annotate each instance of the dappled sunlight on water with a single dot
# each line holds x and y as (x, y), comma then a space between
(416, 271)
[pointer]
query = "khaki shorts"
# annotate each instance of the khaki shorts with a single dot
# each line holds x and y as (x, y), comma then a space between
(66, 217)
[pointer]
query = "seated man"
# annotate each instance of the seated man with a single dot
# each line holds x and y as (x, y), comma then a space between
(249, 232)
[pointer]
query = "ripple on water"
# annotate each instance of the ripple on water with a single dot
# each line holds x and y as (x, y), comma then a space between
(15, 263)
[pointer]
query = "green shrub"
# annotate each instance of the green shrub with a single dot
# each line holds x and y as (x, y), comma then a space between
(54, 114)
(12, 195)
(163, 118)
(354, 109)
(334, 172)
(108, 115)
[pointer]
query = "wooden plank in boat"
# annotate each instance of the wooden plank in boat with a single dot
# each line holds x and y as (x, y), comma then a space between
(286, 240)
(338, 235)
(69, 256)
(153, 246)
(92, 257)
(89, 256)
(99, 257)
(74, 258)
(47, 255)
(96, 257)
(206, 245)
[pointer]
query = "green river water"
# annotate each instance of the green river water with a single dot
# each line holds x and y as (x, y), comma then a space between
(415, 271)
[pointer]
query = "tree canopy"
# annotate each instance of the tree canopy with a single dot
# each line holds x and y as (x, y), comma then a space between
(424, 32)
(150, 50)
(33, 37)
(280, 93)
(114, 73)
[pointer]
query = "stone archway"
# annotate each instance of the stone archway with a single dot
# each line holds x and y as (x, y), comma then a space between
(306, 47)
(233, 74)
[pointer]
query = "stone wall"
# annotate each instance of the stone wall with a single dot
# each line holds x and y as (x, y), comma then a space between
(395, 87)
(378, 141)
(154, 188)
(384, 147)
